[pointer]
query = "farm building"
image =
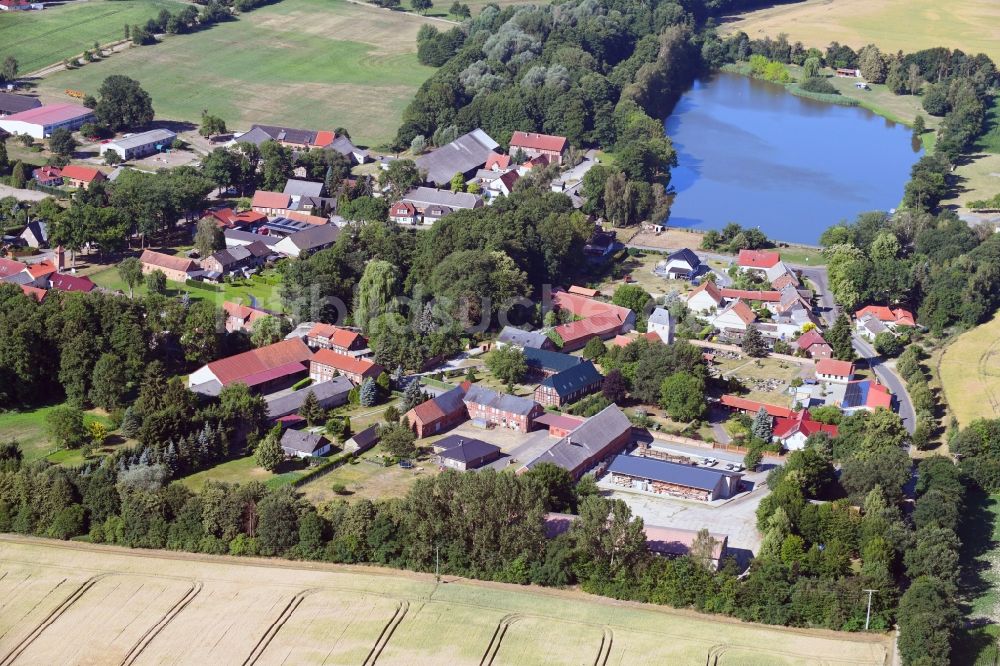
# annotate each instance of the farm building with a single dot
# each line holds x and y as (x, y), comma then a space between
(227, 218)
(175, 268)
(602, 435)
(235, 259)
(11, 103)
(272, 204)
(238, 237)
(488, 407)
(559, 425)
(464, 155)
(663, 477)
(312, 239)
(140, 145)
(362, 441)
(81, 176)
(264, 370)
(576, 334)
(429, 205)
(584, 307)
(438, 414)
(241, 317)
(329, 394)
(523, 339)
(569, 385)
(304, 444)
(751, 407)
(545, 363)
(534, 145)
(326, 364)
(41, 121)
(337, 339)
(465, 453)
(63, 282)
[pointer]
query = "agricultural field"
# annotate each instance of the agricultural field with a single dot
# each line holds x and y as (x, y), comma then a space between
(38, 39)
(314, 64)
(74, 602)
(970, 25)
(970, 373)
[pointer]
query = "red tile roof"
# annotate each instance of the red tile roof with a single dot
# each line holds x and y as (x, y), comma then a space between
(305, 217)
(829, 366)
(403, 209)
(227, 217)
(743, 311)
(583, 291)
(71, 283)
(49, 114)
(786, 427)
(581, 306)
(809, 338)
(347, 364)
(535, 141)
(601, 325)
(736, 402)
(887, 315)
(271, 374)
(879, 396)
(709, 288)
(244, 312)
(265, 199)
(752, 295)
(34, 292)
(10, 267)
(41, 269)
(497, 160)
(82, 173)
(758, 259)
(784, 280)
(168, 261)
(324, 138)
(237, 368)
(339, 337)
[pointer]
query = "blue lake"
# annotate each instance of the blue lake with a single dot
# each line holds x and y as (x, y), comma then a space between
(752, 153)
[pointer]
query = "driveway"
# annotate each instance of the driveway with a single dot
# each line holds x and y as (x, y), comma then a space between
(824, 297)
(888, 376)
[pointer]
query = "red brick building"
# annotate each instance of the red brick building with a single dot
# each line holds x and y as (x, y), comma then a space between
(326, 364)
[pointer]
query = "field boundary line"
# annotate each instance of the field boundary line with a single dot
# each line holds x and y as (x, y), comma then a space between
(136, 650)
(272, 631)
(50, 619)
(387, 631)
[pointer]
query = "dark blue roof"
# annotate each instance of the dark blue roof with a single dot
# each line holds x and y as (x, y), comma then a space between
(549, 360)
(702, 478)
(686, 255)
(579, 376)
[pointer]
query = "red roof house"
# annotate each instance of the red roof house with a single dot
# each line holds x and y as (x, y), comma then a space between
(831, 370)
(34, 292)
(533, 144)
(813, 344)
(403, 212)
(271, 204)
(758, 259)
(752, 295)
(10, 267)
(335, 338)
(64, 282)
(793, 431)
(81, 176)
(497, 162)
(326, 364)
(230, 219)
(888, 316)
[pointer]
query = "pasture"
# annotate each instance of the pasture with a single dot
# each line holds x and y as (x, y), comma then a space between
(76, 602)
(38, 39)
(313, 64)
(970, 373)
(970, 25)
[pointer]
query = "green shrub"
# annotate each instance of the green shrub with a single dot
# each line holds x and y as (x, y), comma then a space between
(816, 84)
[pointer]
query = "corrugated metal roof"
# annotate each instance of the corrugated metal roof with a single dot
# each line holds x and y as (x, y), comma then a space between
(702, 478)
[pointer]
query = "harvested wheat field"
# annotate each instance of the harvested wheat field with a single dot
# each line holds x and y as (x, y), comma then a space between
(970, 373)
(970, 25)
(73, 603)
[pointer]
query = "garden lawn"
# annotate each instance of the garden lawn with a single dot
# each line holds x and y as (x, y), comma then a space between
(313, 64)
(366, 479)
(264, 289)
(38, 39)
(29, 428)
(238, 470)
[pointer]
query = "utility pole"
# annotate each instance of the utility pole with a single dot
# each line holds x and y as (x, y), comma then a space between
(437, 565)
(868, 617)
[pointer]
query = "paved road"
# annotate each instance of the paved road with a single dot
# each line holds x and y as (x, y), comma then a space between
(888, 377)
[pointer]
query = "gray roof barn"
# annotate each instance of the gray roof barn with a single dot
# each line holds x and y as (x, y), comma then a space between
(542, 359)
(520, 338)
(236, 237)
(330, 393)
(364, 440)
(317, 237)
(463, 155)
(573, 379)
(503, 402)
(297, 442)
(11, 103)
(429, 197)
(607, 432)
(467, 450)
(692, 476)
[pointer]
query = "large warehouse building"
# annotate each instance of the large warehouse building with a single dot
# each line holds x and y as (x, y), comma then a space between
(670, 478)
(43, 120)
(140, 145)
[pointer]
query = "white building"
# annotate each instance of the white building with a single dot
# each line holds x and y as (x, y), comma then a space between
(40, 122)
(140, 145)
(661, 323)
